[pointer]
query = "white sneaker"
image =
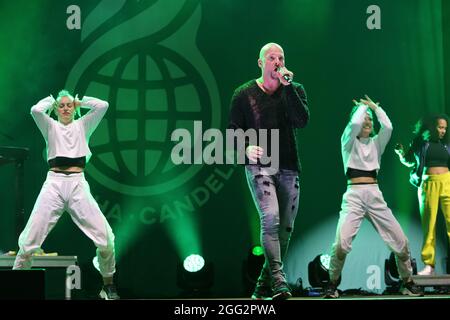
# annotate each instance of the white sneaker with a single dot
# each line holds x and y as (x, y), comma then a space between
(427, 271)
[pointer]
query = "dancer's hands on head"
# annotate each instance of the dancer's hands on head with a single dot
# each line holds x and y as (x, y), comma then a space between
(76, 102)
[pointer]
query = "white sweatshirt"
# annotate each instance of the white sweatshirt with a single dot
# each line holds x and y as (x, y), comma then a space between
(69, 140)
(364, 153)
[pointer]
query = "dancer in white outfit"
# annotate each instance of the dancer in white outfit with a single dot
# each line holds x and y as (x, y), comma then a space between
(361, 154)
(65, 188)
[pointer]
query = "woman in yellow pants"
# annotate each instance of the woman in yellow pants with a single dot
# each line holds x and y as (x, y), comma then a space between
(429, 156)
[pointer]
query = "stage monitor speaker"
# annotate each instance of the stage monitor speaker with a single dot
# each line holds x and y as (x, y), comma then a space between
(22, 284)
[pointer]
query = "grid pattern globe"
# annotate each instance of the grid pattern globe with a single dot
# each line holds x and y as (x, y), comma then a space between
(151, 92)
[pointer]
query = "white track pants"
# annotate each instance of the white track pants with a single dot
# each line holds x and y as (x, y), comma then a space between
(70, 193)
(366, 201)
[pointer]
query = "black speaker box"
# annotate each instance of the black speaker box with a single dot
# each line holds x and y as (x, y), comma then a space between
(22, 284)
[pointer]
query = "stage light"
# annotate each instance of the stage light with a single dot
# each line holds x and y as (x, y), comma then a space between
(251, 268)
(257, 251)
(390, 270)
(318, 276)
(193, 263)
(195, 276)
(391, 276)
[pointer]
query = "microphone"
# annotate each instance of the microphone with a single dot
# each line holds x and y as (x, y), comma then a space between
(285, 76)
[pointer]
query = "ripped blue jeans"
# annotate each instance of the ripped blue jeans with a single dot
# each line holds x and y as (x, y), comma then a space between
(276, 198)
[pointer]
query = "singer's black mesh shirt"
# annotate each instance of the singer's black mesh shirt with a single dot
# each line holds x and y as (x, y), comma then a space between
(286, 109)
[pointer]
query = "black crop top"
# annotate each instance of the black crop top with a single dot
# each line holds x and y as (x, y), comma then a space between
(437, 155)
(356, 173)
(67, 162)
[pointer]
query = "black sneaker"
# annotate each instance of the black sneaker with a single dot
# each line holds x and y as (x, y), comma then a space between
(262, 292)
(109, 292)
(411, 289)
(281, 292)
(331, 291)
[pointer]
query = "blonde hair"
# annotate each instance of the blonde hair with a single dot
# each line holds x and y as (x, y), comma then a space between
(61, 94)
(64, 93)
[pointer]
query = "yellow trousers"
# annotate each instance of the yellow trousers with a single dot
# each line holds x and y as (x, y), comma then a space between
(435, 190)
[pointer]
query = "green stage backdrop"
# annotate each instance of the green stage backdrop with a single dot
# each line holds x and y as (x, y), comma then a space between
(163, 65)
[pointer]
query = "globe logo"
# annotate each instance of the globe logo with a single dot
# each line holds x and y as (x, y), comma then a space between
(151, 92)
(155, 79)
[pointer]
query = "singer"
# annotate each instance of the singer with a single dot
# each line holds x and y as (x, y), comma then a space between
(65, 188)
(273, 101)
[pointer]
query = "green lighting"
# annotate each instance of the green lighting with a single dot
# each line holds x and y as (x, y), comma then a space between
(194, 263)
(257, 251)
